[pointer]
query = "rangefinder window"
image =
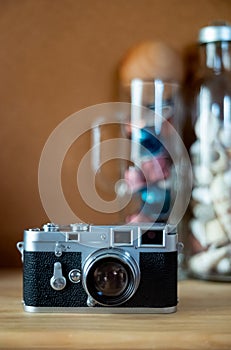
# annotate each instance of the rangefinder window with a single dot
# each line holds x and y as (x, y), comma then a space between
(122, 238)
(152, 238)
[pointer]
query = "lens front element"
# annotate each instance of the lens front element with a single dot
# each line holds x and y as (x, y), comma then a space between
(111, 278)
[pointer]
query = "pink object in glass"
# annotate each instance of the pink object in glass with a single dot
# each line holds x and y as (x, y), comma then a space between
(134, 178)
(155, 169)
(137, 218)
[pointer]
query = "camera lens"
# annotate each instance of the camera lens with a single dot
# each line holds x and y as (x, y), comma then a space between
(110, 278)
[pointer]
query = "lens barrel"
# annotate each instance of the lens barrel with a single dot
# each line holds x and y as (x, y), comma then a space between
(111, 277)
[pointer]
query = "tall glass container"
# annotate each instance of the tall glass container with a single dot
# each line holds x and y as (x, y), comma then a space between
(156, 170)
(210, 226)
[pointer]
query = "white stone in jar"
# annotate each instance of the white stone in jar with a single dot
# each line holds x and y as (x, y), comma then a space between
(221, 192)
(202, 195)
(198, 230)
(214, 232)
(203, 263)
(224, 266)
(220, 160)
(225, 220)
(219, 188)
(225, 136)
(227, 178)
(195, 152)
(223, 211)
(222, 207)
(202, 174)
(207, 127)
(203, 212)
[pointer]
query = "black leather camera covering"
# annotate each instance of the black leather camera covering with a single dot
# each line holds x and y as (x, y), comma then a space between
(157, 288)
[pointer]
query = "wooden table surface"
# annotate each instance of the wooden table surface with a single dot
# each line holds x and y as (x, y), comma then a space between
(203, 321)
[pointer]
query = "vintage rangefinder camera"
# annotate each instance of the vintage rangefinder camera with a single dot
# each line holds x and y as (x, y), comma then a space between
(86, 268)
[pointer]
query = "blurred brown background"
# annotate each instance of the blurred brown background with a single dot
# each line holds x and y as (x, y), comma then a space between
(57, 57)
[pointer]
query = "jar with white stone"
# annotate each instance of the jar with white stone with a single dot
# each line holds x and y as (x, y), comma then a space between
(210, 226)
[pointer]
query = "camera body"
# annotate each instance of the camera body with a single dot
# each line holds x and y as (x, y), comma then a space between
(105, 269)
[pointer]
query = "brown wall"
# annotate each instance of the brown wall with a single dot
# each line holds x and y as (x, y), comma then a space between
(56, 57)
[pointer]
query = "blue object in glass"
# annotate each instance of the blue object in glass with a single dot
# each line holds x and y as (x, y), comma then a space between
(149, 141)
(166, 104)
(156, 200)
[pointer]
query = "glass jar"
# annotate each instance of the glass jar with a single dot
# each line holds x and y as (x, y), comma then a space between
(210, 225)
(155, 174)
